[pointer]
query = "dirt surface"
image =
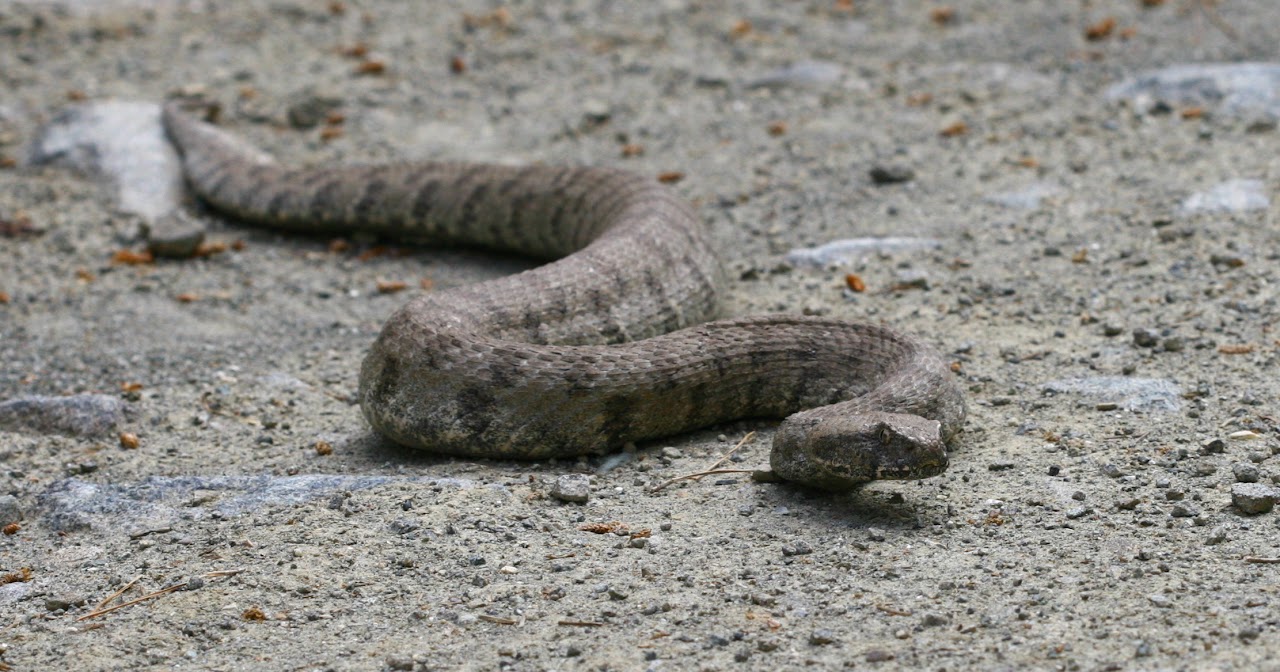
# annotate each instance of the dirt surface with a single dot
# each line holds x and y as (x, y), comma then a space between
(1113, 330)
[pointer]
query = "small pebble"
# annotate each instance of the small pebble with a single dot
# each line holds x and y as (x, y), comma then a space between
(1245, 473)
(403, 526)
(63, 602)
(174, 235)
(821, 637)
(933, 620)
(797, 548)
(1214, 447)
(1146, 338)
(309, 109)
(891, 174)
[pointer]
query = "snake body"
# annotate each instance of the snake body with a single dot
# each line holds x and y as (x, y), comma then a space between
(609, 343)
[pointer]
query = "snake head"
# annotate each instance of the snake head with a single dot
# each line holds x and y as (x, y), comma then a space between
(839, 452)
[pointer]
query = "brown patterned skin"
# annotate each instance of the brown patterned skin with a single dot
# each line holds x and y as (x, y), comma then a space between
(603, 346)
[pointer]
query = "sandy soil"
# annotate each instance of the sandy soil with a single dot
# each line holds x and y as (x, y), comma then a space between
(1116, 343)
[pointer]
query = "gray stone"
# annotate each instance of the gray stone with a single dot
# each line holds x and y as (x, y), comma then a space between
(572, 488)
(10, 510)
(891, 174)
(1245, 472)
(1146, 338)
(174, 235)
(1253, 498)
(822, 637)
(309, 109)
(63, 602)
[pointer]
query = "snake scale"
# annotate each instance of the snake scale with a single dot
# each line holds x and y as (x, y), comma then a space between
(609, 342)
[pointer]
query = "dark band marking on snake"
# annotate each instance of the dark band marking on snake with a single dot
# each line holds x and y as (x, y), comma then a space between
(609, 343)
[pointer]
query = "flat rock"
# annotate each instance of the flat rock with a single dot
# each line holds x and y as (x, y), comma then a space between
(78, 415)
(799, 74)
(1230, 196)
(121, 142)
(74, 504)
(1247, 90)
(1131, 394)
(850, 250)
(1027, 198)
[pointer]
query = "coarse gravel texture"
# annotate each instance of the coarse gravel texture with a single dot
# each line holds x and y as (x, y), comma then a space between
(1100, 269)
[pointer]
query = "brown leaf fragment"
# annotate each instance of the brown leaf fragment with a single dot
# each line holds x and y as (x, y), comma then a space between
(604, 528)
(1100, 30)
(19, 226)
(132, 258)
(391, 286)
(21, 576)
(371, 67)
(942, 15)
(253, 614)
(357, 50)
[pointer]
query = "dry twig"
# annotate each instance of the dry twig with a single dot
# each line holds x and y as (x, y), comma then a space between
(713, 468)
(100, 610)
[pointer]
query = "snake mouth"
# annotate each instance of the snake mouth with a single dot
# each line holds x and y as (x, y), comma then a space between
(912, 471)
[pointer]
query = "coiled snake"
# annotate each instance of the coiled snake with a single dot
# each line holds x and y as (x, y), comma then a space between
(609, 343)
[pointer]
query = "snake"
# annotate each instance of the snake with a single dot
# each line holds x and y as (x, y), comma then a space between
(617, 338)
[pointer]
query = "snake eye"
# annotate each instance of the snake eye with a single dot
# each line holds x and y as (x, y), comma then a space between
(885, 435)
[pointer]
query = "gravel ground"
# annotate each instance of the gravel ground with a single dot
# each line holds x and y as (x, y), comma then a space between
(1099, 263)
